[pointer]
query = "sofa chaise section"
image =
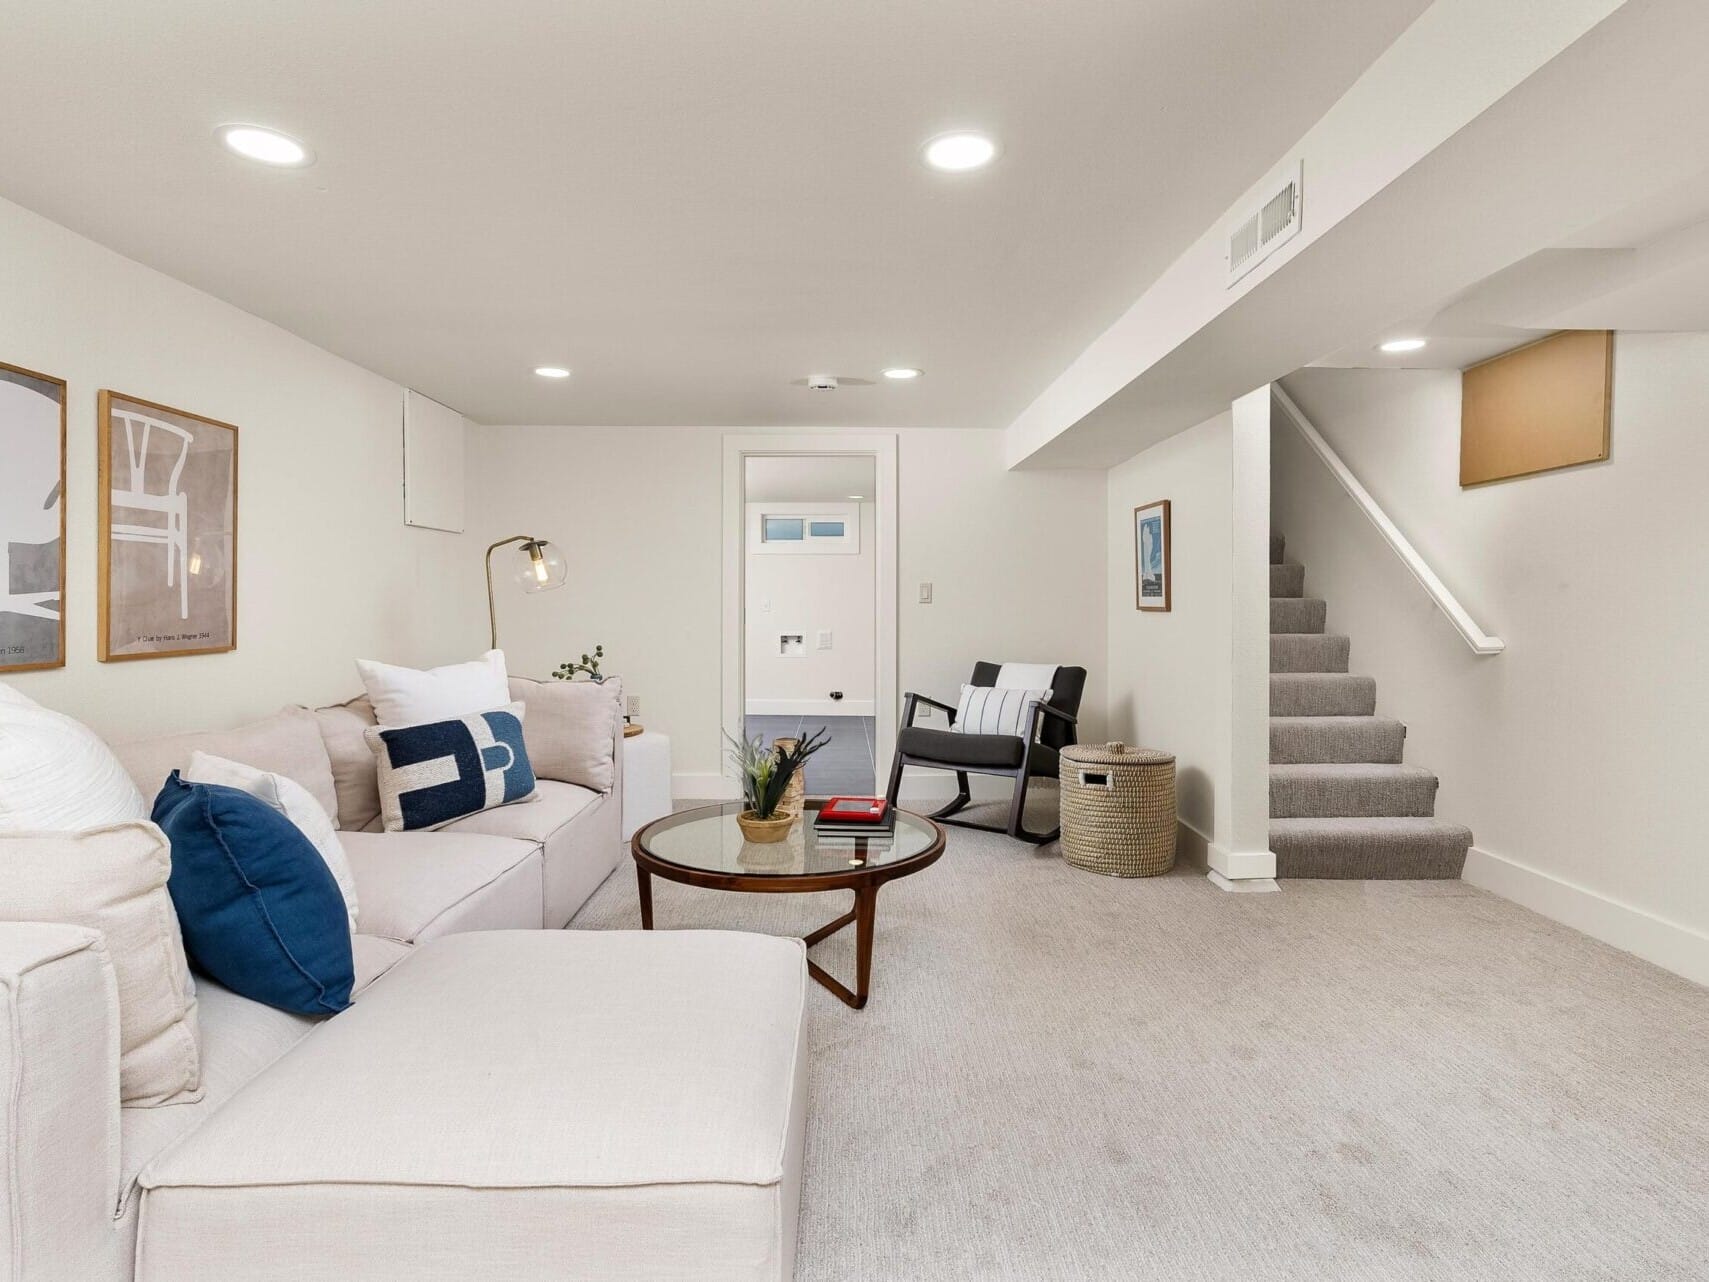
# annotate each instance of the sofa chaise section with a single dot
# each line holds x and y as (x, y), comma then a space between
(526, 1105)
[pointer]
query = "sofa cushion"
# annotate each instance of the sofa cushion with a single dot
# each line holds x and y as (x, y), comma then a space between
(287, 743)
(239, 1039)
(419, 885)
(556, 805)
(113, 880)
(508, 1102)
(434, 773)
(572, 729)
(354, 773)
(56, 774)
(258, 906)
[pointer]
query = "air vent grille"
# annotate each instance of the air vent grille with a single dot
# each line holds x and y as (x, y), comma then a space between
(1261, 232)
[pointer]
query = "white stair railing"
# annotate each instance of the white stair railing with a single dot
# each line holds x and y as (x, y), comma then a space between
(1480, 641)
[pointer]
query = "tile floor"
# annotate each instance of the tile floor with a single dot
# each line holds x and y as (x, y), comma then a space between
(844, 766)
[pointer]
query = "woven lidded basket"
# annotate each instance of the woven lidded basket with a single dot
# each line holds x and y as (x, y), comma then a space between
(1118, 809)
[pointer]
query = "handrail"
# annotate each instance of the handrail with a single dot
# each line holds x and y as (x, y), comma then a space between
(1480, 641)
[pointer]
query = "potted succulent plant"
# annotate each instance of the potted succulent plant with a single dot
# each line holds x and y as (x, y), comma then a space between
(766, 773)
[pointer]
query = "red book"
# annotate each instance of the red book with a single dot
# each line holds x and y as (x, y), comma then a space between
(853, 810)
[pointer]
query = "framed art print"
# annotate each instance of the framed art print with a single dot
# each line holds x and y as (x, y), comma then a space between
(168, 531)
(32, 520)
(1151, 571)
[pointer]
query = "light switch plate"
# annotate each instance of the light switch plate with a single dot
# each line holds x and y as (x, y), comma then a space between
(925, 594)
(824, 638)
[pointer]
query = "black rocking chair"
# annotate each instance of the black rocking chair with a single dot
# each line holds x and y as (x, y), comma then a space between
(1012, 756)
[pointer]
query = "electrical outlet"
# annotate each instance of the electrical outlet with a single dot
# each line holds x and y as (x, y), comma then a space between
(824, 639)
(634, 708)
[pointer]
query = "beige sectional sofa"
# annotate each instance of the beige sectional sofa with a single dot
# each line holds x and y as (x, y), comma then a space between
(494, 1104)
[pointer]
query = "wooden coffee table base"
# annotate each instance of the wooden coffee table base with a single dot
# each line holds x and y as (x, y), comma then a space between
(863, 916)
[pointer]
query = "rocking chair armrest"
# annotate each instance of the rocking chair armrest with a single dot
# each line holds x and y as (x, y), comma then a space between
(912, 700)
(1045, 709)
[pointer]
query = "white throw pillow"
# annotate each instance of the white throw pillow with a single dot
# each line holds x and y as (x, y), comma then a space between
(290, 799)
(113, 880)
(994, 710)
(55, 773)
(415, 696)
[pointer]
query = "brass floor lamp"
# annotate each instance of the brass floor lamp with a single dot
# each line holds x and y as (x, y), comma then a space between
(542, 569)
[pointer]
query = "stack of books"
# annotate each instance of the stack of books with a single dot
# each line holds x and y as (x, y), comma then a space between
(869, 817)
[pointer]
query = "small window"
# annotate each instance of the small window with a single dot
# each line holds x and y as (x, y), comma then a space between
(826, 529)
(784, 529)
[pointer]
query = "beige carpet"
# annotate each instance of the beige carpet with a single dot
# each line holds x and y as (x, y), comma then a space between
(1068, 1076)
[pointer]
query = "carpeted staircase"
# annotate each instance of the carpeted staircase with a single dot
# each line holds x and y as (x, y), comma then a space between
(1341, 802)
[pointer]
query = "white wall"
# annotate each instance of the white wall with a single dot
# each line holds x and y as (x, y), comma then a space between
(326, 569)
(1577, 757)
(1017, 560)
(805, 593)
(1169, 684)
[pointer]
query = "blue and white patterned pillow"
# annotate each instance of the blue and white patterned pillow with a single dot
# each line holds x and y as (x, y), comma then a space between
(434, 773)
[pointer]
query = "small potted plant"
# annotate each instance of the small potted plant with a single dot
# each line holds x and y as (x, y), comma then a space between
(766, 774)
(589, 664)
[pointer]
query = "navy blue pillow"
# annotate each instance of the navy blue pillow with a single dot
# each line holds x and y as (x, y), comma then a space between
(431, 774)
(258, 907)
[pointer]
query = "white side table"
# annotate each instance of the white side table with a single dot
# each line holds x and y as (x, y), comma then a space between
(646, 780)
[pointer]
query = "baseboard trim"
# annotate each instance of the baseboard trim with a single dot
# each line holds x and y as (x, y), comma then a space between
(810, 707)
(1245, 886)
(1667, 944)
(1241, 865)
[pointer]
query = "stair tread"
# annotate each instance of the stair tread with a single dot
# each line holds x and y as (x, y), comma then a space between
(1287, 580)
(1383, 828)
(1350, 769)
(1309, 652)
(1369, 720)
(1297, 615)
(1322, 694)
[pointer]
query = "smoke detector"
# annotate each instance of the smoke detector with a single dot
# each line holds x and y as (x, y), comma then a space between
(829, 382)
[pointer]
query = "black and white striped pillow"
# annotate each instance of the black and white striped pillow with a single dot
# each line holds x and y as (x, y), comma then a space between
(993, 710)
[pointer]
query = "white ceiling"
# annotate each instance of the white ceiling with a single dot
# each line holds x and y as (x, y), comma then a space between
(809, 478)
(1644, 268)
(690, 205)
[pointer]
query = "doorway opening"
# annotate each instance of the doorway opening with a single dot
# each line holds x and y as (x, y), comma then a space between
(810, 601)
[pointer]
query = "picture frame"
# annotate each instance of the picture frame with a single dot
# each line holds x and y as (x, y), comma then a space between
(1153, 574)
(167, 547)
(32, 520)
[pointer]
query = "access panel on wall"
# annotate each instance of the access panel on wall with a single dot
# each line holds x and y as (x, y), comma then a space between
(32, 520)
(1540, 407)
(168, 531)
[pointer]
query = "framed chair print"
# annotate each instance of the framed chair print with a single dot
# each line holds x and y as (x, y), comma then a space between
(168, 531)
(1151, 570)
(32, 520)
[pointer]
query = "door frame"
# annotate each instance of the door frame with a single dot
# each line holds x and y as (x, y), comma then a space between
(881, 448)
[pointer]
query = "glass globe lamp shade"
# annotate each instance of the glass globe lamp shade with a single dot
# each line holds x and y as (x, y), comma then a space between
(541, 567)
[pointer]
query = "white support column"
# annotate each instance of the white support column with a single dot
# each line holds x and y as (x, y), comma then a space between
(1247, 855)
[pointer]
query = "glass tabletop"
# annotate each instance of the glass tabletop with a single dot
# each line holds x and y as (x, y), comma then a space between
(707, 838)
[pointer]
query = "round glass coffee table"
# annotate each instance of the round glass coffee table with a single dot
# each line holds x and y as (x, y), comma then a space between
(704, 847)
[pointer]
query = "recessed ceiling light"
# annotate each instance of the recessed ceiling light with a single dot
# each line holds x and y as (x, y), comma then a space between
(551, 371)
(901, 373)
(269, 146)
(1397, 345)
(956, 153)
